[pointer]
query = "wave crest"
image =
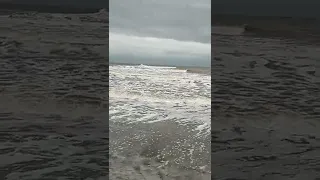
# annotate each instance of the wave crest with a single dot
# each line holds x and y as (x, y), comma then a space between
(227, 30)
(279, 30)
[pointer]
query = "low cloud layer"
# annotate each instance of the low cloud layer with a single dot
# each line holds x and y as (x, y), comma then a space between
(157, 51)
(185, 20)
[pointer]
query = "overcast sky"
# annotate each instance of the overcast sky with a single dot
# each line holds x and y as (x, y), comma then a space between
(165, 30)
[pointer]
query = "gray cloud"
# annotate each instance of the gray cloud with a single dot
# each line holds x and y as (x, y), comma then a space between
(157, 51)
(184, 20)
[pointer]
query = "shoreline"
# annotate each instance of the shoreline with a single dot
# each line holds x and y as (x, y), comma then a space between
(190, 69)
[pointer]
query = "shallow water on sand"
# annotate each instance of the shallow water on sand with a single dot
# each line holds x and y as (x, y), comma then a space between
(159, 123)
(53, 110)
(266, 110)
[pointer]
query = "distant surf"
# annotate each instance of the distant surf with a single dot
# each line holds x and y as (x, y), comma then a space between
(47, 8)
(197, 70)
(227, 30)
(285, 27)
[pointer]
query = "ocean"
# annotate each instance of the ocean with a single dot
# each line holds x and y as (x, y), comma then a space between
(159, 122)
(259, 108)
(54, 96)
(265, 98)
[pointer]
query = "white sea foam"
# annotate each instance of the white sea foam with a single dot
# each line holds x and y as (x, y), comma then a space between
(152, 94)
(160, 115)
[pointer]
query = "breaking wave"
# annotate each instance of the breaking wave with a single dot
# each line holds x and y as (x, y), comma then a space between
(281, 27)
(227, 30)
(159, 123)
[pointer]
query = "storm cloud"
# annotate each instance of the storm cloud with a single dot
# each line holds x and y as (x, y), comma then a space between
(160, 31)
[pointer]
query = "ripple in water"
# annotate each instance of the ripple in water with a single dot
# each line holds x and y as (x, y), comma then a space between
(53, 110)
(265, 95)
